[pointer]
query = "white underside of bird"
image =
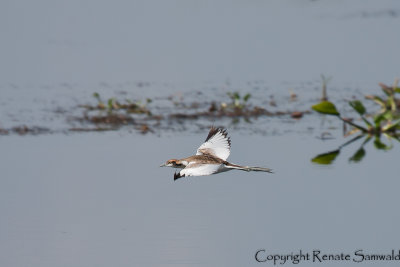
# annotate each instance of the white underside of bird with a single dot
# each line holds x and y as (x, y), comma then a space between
(210, 158)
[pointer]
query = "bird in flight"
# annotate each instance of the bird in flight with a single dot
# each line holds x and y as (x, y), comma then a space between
(210, 158)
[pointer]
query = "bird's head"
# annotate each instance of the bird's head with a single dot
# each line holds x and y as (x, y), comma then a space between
(174, 163)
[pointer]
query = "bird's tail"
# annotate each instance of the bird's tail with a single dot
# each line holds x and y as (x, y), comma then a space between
(248, 168)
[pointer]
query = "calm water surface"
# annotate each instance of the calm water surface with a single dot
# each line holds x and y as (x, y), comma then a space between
(102, 200)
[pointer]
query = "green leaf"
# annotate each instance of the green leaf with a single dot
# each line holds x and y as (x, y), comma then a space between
(397, 90)
(392, 103)
(378, 119)
(234, 95)
(379, 145)
(391, 126)
(383, 117)
(379, 100)
(326, 158)
(358, 106)
(326, 107)
(358, 156)
(110, 103)
(246, 97)
(388, 115)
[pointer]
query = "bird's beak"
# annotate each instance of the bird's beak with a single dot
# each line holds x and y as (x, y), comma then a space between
(162, 165)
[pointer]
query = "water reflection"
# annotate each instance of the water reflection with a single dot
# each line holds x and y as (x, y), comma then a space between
(329, 157)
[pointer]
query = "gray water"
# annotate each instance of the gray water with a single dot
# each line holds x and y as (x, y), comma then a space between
(46, 42)
(100, 199)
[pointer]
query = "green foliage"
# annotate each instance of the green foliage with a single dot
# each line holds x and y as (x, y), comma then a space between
(391, 102)
(386, 122)
(237, 101)
(326, 107)
(391, 126)
(329, 157)
(383, 122)
(379, 145)
(359, 155)
(112, 104)
(360, 109)
(326, 158)
(100, 102)
(358, 106)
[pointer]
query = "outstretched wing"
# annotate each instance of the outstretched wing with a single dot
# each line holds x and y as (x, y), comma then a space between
(217, 144)
(195, 169)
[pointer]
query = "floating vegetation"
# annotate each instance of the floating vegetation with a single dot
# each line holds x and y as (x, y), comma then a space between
(296, 114)
(328, 157)
(145, 128)
(202, 107)
(111, 114)
(238, 107)
(97, 129)
(386, 122)
(3, 131)
(253, 112)
(111, 118)
(237, 101)
(25, 130)
(391, 103)
(112, 104)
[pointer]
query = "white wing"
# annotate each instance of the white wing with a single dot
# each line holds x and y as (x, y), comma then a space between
(194, 169)
(217, 144)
